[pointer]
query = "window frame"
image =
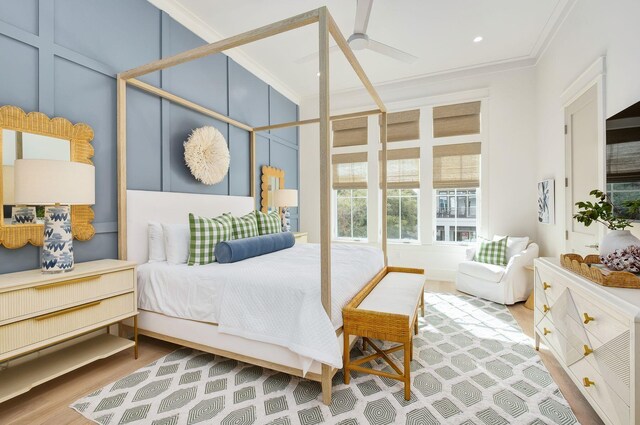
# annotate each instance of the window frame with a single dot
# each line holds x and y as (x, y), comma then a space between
(436, 202)
(334, 217)
(403, 241)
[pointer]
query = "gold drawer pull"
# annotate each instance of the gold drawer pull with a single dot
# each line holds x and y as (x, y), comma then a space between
(587, 382)
(546, 308)
(588, 318)
(546, 331)
(587, 350)
(546, 286)
(66, 282)
(68, 310)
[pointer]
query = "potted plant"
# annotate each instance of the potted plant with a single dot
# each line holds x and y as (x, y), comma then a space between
(602, 211)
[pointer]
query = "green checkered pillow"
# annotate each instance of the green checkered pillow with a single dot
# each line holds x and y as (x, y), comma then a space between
(205, 234)
(492, 252)
(268, 223)
(245, 226)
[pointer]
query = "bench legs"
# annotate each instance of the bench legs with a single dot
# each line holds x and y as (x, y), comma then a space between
(400, 375)
(347, 357)
(408, 348)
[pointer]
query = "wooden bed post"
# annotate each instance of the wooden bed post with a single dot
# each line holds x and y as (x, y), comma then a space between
(252, 162)
(325, 186)
(383, 182)
(121, 116)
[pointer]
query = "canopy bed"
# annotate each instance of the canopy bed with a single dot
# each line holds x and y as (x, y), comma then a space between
(136, 209)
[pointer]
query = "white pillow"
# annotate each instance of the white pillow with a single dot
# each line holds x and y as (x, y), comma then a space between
(156, 242)
(515, 244)
(176, 242)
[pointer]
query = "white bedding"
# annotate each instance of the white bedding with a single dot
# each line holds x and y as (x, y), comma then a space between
(273, 298)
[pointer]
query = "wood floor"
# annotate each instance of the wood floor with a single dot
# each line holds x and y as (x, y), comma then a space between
(48, 403)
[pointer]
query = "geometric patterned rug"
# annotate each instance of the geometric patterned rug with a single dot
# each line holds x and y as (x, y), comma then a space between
(472, 365)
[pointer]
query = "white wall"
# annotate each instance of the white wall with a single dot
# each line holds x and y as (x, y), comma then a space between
(592, 29)
(509, 157)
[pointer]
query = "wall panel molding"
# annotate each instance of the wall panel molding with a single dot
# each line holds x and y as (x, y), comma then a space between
(78, 82)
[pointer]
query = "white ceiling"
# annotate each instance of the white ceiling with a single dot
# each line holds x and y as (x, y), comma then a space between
(440, 33)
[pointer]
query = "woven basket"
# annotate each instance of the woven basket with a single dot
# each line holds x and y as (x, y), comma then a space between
(600, 275)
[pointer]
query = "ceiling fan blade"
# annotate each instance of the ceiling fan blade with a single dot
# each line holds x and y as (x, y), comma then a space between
(363, 11)
(384, 49)
(314, 55)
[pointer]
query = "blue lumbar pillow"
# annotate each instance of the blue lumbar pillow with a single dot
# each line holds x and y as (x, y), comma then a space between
(241, 249)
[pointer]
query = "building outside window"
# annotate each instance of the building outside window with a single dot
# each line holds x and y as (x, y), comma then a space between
(456, 219)
(351, 213)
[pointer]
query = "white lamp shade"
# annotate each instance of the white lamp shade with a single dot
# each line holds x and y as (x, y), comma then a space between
(7, 185)
(285, 198)
(47, 182)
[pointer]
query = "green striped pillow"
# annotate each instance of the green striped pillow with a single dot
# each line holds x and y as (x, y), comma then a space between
(268, 223)
(245, 226)
(205, 234)
(492, 252)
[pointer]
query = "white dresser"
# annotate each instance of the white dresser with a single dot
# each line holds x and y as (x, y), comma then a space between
(39, 310)
(593, 332)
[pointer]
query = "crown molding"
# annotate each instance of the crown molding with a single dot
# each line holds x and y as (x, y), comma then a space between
(551, 28)
(196, 25)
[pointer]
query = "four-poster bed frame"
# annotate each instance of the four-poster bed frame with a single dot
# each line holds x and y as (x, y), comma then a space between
(327, 28)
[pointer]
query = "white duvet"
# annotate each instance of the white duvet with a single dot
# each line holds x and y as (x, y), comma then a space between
(272, 298)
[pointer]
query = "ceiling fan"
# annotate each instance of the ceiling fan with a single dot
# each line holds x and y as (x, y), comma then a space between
(359, 40)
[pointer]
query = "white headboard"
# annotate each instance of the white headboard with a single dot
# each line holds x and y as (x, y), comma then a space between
(170, 207)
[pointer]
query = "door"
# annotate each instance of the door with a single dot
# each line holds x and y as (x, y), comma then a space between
(583, 163)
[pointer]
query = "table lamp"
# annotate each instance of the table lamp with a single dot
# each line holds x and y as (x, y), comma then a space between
(20, 214)
(57, 185)
(285, 198)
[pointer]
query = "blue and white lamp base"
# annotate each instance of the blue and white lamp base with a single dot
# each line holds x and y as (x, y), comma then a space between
(23, 215)
(57, 250)
(286, 219)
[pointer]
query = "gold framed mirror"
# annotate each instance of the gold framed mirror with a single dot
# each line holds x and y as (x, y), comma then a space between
(36, 136)
(272, 179)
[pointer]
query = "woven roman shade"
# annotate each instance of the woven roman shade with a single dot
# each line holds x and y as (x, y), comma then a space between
(456, 166)
(623, 162)
(456, 120)
(403, 168)
(403, 125)
(350, 170)
(350, 132)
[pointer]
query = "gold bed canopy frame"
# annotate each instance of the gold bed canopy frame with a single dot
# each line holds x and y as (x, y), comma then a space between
(327, 28)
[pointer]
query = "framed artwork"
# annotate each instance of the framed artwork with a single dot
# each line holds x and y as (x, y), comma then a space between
(546, 201)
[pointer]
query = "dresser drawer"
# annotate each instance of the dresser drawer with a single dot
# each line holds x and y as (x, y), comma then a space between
(549, 334)
(549, 284)
(35, 299)
(36, 331)
(600, 392)
(600, 321)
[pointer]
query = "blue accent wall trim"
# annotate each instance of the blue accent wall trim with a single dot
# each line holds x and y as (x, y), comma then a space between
(61, 58)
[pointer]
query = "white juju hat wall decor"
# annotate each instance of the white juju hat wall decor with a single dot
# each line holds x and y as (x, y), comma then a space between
(207, 155)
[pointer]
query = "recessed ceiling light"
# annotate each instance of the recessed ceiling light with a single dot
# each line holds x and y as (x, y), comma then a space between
(478, 39)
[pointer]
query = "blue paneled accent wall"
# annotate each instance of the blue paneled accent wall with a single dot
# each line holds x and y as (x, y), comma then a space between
(61, 57)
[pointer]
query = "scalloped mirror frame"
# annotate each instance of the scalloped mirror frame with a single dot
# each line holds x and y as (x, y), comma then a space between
(264, 186)
(80, 136)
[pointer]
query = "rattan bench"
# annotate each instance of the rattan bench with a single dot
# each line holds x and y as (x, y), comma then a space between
(385, 309)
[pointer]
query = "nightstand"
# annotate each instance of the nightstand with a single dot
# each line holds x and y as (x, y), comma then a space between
(301, 237)
(38, 311)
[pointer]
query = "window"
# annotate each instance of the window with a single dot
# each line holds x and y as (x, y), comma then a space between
(402, 214)
(351, 213)
(350, 189)
(456, 215)
(403, 194)
(456, 182)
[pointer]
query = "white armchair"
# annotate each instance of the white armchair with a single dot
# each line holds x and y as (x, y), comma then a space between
(501, 284)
